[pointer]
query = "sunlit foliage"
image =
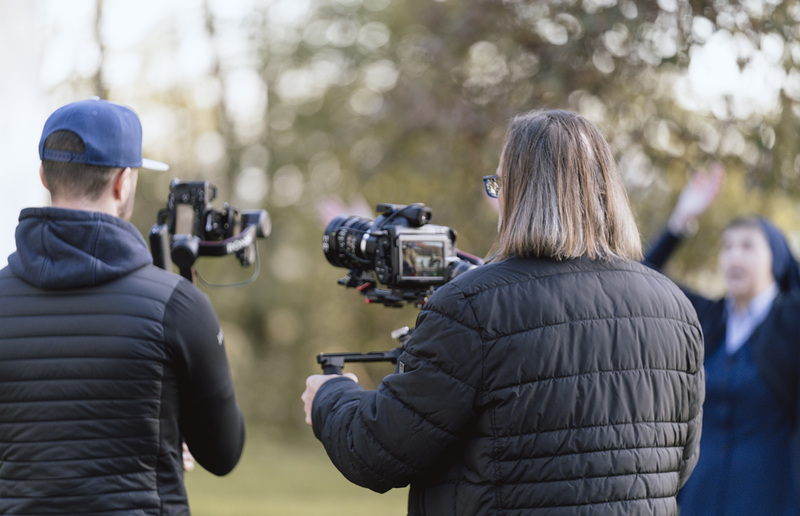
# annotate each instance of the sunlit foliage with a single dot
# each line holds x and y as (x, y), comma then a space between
(369, 101)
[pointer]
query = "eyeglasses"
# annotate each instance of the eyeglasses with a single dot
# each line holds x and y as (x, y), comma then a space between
(492, 185)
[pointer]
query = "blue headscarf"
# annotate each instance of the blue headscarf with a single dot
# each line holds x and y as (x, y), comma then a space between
(784, 265)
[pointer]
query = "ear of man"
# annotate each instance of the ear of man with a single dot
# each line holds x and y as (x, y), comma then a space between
(41, 176)
(122, 184)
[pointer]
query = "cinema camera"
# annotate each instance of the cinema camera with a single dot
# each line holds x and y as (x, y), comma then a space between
(190, 227)
(401, 250)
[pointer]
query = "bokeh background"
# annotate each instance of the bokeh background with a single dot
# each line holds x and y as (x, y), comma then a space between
(312, 108)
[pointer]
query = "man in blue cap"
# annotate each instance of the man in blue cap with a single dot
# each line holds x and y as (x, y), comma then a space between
(107, 363)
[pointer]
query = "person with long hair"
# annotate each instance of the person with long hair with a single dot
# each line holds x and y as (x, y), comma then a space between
(749, 460)
(562, 377)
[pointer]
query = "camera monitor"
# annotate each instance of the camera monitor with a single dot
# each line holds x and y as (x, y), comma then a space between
(423, 258)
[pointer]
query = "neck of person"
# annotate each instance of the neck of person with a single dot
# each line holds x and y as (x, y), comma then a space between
(102, 205)
(115, 200)
(742, 302)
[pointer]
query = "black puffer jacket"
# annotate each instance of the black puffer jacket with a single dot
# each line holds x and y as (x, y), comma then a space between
(106, 364)
(532, 387)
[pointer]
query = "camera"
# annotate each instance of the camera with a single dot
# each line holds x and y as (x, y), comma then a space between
(400, 247)
(190, 227)
(405, 252)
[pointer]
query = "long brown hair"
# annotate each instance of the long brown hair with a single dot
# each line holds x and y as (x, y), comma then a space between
(561, 194)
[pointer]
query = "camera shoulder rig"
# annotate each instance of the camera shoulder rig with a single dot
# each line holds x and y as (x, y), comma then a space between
(332, 363)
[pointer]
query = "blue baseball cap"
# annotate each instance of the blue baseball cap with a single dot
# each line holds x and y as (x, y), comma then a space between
(111, 133)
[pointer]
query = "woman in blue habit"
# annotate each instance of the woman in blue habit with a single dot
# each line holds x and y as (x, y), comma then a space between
(749, 453)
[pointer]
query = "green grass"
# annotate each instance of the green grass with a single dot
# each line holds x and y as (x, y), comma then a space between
(279, 479)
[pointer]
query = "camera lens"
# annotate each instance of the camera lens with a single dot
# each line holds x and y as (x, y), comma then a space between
(343, 243)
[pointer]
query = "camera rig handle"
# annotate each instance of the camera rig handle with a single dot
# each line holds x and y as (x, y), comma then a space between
(333, 363)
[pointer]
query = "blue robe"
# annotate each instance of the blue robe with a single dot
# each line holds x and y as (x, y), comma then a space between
(749, 454)
(744, 467)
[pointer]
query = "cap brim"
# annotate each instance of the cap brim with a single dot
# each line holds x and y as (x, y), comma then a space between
(150, 164)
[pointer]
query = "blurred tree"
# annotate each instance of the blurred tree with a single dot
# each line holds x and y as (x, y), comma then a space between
(407, 102)
(390, 101)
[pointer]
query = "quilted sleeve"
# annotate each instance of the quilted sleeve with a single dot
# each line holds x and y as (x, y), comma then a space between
(382, 439)
(210, 417)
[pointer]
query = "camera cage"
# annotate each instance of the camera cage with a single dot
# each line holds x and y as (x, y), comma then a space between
(400, 250)
(348, 242)
(190, 228)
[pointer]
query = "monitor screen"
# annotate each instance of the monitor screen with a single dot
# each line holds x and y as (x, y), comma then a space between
(423, 258)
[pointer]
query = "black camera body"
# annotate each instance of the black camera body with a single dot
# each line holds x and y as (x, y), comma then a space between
(404, 252)
(191, 212)
(190, 227)
(400, 247)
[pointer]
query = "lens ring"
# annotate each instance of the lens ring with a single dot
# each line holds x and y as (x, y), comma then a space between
(343, 244)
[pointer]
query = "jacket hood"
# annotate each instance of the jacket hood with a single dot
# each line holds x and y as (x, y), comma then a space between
(60, 248)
